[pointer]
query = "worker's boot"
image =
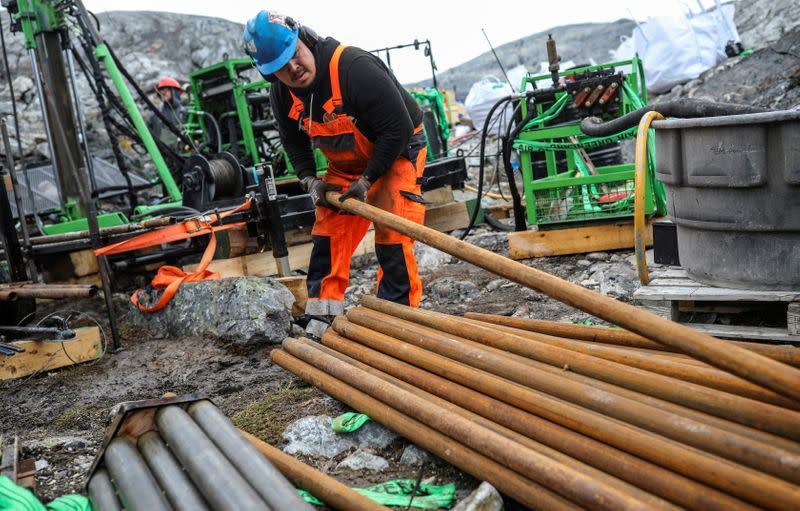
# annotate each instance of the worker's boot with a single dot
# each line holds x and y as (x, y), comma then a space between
(317, 325)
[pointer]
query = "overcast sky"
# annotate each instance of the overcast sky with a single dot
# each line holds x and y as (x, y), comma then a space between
(454, 28)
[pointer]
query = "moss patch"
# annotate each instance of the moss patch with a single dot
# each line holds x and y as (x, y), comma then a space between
(79, 417)
(268, 418)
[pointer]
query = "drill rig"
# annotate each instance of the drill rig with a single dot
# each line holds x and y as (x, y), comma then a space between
(568, 178)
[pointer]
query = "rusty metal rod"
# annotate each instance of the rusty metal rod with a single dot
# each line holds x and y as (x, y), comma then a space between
(743, 482)
(324, 487)
(520, 488)
(641, 473)
(31, 285)
(595, 333)
(706, 376)
(573, 484)
(511, 434)
(117, 229)
(764, 416)
(47, 293)
(753, 367)
(738, 448)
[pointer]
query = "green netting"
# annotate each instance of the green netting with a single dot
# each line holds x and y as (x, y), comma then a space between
(398, 493)
(349, 422)
(16, 498)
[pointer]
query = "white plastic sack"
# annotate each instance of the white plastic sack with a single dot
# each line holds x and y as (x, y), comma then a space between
(677, 49)
(488, 91)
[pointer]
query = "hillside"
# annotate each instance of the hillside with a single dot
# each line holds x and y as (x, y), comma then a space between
(578, 43)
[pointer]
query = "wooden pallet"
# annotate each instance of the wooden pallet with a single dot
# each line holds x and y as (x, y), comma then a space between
(672, 292)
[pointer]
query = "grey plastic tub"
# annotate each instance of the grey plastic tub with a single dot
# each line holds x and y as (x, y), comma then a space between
(733, 190)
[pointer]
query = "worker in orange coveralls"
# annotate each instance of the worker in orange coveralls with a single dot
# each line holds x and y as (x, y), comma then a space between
(347, 103)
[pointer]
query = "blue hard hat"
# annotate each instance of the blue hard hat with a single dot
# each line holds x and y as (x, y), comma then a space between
(270, 40)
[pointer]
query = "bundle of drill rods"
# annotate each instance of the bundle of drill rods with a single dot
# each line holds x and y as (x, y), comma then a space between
(563, 416)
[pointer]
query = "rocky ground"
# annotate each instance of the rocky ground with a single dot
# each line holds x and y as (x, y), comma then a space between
(60, 415)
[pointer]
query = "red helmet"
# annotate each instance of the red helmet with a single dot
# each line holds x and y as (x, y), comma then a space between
(168, 81)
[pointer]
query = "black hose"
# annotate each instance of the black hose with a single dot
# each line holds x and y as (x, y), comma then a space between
(152, 107)
(685, 108)
(217, 132)
(484, 133)
(520, 223)
(107, 123)
(496, 224)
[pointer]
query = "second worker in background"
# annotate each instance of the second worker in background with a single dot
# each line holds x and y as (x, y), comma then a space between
(347, 103)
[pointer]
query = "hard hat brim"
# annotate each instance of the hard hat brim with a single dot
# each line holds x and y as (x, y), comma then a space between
(268, 68)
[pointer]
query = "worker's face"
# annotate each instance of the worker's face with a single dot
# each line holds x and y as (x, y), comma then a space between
(300, 71)
(166, 93)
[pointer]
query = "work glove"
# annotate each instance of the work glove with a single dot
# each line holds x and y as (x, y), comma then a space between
(317, 188)
(358, 190)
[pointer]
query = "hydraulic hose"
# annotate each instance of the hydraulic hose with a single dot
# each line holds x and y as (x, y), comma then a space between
(484, 133)
(520, 224)
(217, 132)
(639, 188)
(496, 224)
(686, 108)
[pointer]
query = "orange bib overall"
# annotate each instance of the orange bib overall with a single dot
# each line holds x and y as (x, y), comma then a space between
(335, 236)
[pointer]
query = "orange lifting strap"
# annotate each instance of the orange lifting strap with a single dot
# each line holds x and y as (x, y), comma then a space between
(171, 277)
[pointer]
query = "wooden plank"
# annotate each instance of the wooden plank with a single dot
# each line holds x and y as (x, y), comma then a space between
(46, 356)
(84, 263)
(707, 293)
(448, 217)
(264, 265)
(439, 196)
(745, 332)
(297, 285)
(8, 185)
(500, 211)
(578, 240)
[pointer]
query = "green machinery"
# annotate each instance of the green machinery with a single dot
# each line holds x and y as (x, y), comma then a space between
(569, 178)
(229, 111)
(46, 26)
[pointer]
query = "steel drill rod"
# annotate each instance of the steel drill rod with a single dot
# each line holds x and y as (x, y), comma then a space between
(737, 480)
(138, 489)
(179, 489)
(618, 336)
(636, 471)
(47, 293)
(102, 495)
(520, 488)
(23, 222)
(751, 366)
(511, 434)
(324, 487)
(764, 416)
(706, 376)
(31, 285)
(737, 448)
(216, 478)
(27, 332)
(267, 480)
(106, 231)
(724, 424)
(576, 485)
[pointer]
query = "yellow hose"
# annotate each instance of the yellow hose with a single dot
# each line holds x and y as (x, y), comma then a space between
(640, 187)
(487, 194)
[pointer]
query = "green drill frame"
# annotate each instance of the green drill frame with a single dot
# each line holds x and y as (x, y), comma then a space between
(568, 196)
(230, 74)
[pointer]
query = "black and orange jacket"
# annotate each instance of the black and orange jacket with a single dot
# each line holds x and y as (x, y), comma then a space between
(382, 109)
